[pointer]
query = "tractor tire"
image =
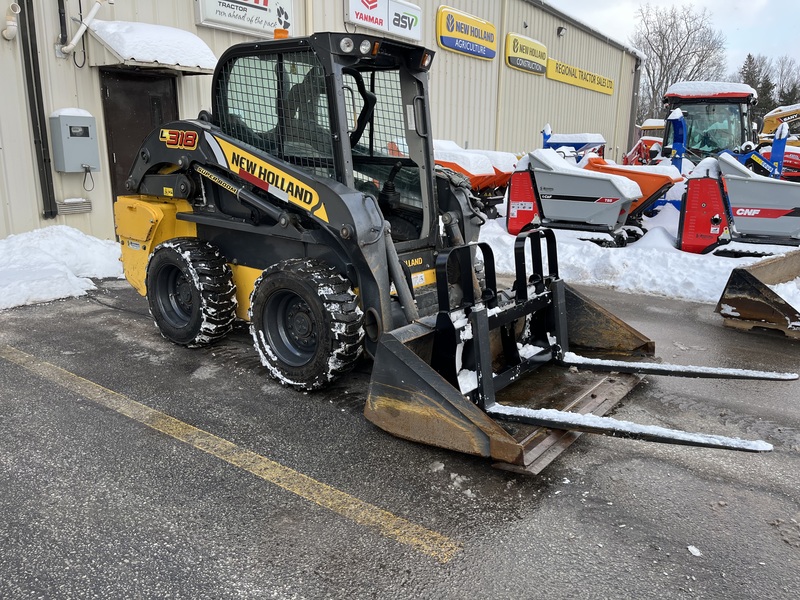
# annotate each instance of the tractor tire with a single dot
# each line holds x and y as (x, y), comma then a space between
(190, 291)
(306, 323)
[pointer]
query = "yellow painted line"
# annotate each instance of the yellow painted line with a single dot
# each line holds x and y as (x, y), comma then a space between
(391, 526)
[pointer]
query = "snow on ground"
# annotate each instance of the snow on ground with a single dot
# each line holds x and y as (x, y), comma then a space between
(650, 266)
(59, 262)
(51, 263)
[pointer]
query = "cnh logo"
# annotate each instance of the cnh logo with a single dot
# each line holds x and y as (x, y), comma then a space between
(370, 4)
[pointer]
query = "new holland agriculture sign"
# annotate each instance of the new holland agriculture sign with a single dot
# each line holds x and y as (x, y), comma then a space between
(465, 33)
(392, 16)
(575, 76)
(525, 54)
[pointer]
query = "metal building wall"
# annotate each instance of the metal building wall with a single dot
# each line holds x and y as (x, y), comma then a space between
(485, 104)
(66, 85)
(476, 103)
(529, 102)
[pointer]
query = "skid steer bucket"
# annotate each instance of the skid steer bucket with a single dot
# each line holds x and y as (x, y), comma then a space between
(752, 297)
(492, 377)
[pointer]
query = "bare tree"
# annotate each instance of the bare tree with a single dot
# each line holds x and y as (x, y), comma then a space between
(681, 45)
(787, 80)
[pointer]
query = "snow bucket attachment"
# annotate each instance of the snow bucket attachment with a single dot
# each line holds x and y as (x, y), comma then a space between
(494, 377)
(752, 297)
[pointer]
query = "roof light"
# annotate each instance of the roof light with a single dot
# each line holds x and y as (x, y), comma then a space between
(347, 45)
(281, 34)
(365, 47)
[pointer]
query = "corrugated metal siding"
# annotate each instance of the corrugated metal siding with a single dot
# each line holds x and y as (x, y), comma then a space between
(529, 102)
(476, 103)
(66, 85)
(485, 104)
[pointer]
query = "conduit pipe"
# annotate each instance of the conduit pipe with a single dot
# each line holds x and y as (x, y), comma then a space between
(84, 26)
(10, 32)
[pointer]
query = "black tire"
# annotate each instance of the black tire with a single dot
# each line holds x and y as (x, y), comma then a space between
(306, 323)
(190, 292)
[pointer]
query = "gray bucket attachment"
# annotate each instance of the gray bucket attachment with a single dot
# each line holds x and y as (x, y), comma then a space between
(750, 299)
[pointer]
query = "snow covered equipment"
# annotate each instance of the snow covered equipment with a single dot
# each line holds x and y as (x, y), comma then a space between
(569, 197)
(726, 201)
(764, 210)
(648, 146)
(760, 296)
(654, 181)
(705, 219)
(286, 206)
(716, 114)
(573, 145)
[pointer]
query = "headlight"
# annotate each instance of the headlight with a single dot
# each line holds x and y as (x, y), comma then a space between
(365, 46)
(346, 45)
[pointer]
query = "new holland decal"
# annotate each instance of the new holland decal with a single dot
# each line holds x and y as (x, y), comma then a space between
(272, 180)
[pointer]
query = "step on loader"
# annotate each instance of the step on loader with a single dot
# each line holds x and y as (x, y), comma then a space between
(282, 207)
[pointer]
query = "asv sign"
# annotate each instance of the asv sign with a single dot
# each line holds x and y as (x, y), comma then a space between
(405, 20)
(397, 17)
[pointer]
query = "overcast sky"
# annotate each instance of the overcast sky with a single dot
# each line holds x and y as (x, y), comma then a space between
(767, 27)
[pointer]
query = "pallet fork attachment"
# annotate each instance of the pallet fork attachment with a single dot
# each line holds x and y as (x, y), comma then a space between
(494, 376)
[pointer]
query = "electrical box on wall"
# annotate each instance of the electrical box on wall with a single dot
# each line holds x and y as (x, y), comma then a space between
(74, 141)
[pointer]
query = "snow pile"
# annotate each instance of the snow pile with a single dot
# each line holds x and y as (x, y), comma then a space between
(52, 263)
(650, 266)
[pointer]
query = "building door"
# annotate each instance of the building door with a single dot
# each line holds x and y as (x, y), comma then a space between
(134, 103)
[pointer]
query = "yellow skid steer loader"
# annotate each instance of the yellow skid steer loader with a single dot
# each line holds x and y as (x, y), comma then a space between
(285, 207)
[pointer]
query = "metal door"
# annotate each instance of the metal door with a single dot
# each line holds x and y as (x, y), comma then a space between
(134, 104)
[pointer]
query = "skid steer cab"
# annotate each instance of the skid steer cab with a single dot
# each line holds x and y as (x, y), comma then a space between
(288, 206)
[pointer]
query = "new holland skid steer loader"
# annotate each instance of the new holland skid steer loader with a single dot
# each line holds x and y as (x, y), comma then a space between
(283, 206)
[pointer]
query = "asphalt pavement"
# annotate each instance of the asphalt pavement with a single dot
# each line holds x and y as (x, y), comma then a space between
(133, 468)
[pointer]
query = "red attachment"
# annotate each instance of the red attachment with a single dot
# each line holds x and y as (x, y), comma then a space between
(522, 206)
(704, 221)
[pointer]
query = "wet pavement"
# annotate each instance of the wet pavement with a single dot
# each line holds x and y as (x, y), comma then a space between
(130, 467)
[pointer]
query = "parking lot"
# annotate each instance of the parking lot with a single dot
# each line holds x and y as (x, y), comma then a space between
(136, 468)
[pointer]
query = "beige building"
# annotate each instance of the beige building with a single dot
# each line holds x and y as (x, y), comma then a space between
(76, 104)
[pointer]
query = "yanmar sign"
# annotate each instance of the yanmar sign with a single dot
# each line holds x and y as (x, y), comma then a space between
(397, 17)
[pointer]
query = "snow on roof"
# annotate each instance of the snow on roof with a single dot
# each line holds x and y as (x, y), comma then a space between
(652, 124)
(146, 42)
(783, 109)
(688, 89)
